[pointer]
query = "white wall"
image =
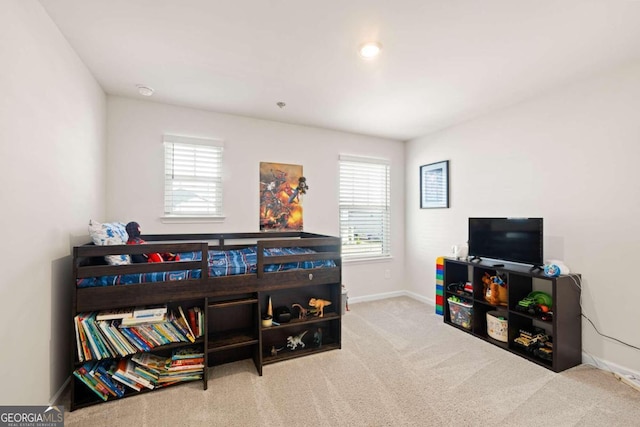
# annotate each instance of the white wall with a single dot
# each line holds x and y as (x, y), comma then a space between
(571, 157)
(136, 173)
(52, 151)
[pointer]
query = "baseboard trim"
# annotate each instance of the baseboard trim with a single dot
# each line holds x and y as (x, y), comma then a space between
(420, 298)
(394, 294)
(55, 400)
(605, 365)
(376, 297)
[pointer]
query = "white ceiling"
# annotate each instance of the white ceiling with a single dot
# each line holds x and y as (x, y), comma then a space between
(443, 61)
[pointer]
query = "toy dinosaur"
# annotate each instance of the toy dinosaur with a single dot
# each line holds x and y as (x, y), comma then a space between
(319, 305)
(294, 342)
(274, 350)
(302, 312)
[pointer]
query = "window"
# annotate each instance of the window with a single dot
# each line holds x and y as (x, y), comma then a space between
(364, 207)
(192, 177)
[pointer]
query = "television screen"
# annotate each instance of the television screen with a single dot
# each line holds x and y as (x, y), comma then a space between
(508, 239)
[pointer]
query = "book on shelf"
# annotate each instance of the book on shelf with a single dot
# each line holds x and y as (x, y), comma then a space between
(135, 321)
(129, 372)
(182, 320)
(119, 375)
(187, 353)
(140, 344)
(118, 313)
(149, 312)
(185, 367)
(84, 353)
(151, 361)
(83, 375)
(191, 313)
(101, 372)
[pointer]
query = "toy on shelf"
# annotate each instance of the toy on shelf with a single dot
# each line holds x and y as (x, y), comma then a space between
(319, 305)
(302, 312)
(294, 342)
(538, 304)
(495, 289)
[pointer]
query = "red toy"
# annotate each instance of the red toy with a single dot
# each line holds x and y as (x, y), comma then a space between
(133, 230)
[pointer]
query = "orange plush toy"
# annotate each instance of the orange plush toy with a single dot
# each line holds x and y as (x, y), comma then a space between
(133, 230)
(495, 290)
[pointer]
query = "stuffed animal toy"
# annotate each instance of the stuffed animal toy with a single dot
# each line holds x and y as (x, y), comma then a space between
(133, 230)
(495, 289)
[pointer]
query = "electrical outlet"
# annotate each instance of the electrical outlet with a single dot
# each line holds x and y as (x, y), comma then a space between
(387, 274)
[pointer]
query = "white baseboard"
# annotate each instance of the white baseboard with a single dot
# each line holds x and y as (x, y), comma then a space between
(605, 365)
(421, 298)
(394, 294)
(376, 297)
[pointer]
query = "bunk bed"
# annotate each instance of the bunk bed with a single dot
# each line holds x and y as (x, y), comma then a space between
(230, 277)
(234, 263)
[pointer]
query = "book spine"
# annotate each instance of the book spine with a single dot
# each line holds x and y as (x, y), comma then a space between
(110, 339)
(102, 341)
(147, 333)
(192, 322)
(176, 332)
(78, 342)
(162, 330)
(191, 336)
(95, 351)
(150, 344)
(83, 339)
(124, 342)
(135, 340)
(126, 381)
(106, 379)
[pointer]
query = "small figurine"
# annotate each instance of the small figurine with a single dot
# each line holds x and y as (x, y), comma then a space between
(294, 342)
(317, 338)
(274, 350)
(302, 312)
(319, 305)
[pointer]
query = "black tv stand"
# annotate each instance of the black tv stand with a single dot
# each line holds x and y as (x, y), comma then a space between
(475, 258)
(536, 267)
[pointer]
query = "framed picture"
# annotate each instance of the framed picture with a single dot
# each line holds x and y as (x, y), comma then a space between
(280, 197)
(434, 185)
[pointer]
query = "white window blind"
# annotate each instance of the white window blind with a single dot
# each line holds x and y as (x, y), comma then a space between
(365, 221)
(193, 177)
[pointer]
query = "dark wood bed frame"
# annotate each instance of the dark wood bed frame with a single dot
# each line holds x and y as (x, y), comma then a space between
(233, 305)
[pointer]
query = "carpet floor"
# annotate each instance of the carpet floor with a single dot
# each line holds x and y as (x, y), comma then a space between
(399, 365)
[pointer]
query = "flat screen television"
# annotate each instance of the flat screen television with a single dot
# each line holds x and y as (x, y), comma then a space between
(509, 239)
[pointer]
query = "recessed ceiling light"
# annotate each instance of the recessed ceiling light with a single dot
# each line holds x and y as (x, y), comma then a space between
(370, 50)
(144, 90)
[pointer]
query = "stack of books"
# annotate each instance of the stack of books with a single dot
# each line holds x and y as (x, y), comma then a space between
(108, 378)
(185, 364)
(120, 333)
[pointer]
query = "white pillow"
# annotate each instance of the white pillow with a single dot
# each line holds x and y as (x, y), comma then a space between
(114, 233)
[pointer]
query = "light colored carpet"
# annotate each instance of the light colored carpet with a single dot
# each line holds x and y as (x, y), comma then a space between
(399, 366)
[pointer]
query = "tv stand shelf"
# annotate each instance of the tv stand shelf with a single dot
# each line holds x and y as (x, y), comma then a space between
(565, 327)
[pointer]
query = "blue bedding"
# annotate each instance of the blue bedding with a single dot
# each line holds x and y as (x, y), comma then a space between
(221, 263)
